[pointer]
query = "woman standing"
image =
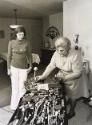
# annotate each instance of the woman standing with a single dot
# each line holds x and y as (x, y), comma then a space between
(69, 63)
(19, 54)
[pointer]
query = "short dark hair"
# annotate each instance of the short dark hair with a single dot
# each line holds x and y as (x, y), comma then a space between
(20, 29)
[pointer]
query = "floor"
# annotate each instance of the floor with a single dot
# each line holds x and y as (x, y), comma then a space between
(5, 115)
(5, 92)
(83, 112)
(83, 115)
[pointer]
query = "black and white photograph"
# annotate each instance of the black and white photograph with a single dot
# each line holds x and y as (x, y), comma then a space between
(45, 62)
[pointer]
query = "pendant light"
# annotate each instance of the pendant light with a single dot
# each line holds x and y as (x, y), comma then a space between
(15, 25)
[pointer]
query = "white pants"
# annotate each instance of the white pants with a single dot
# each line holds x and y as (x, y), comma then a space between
(18, 77)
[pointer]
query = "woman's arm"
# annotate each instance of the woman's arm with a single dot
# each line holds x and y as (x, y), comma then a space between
(72, 76)
(47, 71)
(9, 57)
(29, 54)
(49, 68)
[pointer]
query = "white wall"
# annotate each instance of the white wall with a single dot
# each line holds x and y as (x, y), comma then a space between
(53, 20)
(45, 27)
(57, 21)
(32, 26)
(77, 19)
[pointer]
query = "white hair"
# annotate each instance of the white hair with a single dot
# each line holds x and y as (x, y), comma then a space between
(63, 41)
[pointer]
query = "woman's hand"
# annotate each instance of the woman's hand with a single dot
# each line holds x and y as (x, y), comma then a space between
(29, 69)
(60, 76)
(9, 72)
(40, 78)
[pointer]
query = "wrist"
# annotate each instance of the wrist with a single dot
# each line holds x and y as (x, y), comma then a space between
(8, 71)
(43, 77)
(30, 67)
(64, 78)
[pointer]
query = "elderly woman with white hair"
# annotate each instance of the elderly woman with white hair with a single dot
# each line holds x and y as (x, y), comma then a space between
(69, 63)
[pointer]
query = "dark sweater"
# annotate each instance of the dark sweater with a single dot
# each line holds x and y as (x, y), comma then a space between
(19, 54)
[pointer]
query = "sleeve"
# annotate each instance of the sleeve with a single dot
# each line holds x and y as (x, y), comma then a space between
(52, 63)
(77, 62)
(29, 54)
(9, 56)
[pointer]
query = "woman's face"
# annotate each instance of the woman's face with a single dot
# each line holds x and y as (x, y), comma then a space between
(62, 50)
(20, 35)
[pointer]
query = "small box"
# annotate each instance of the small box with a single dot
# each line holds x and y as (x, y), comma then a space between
(42, 86)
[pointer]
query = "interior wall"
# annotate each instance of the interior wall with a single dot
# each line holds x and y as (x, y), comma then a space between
(53, 20)
(77, 19)
(45, 27)
(57, 21)
(32, 26)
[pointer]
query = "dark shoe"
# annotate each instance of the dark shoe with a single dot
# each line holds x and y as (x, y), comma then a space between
(70, 115)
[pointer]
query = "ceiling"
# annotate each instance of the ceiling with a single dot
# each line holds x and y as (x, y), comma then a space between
(30, 8)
